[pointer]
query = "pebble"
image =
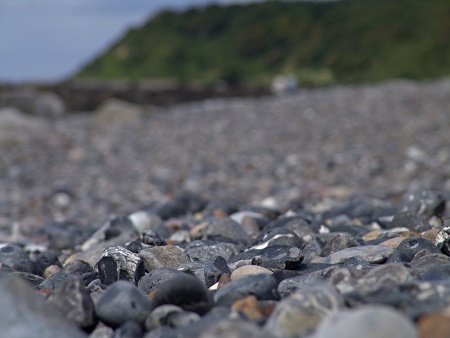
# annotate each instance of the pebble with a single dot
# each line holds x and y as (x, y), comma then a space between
(123, 301)
(157, 277)
(248, 270)
(186, 266)
(371, 253)
(73, 301)
(263, 287)
(17, 259)
(167, 256)
(371, 321)
(436, 325)
(300, 313)
(275, 256)
(224, 228)
(204, 251)
(118, 263)
(186, 292)
(129, 329)
(214, 270)
(234, 329)
(24, 314)
(411, 221)
(277, 236)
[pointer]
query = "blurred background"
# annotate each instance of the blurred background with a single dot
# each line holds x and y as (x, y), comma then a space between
(107, 106)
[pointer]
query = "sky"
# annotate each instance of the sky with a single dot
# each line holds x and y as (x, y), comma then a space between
(48, 40)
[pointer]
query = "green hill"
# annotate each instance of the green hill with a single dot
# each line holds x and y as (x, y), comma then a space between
(344, 41)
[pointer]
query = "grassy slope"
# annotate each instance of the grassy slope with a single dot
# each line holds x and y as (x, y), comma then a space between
(345, 41)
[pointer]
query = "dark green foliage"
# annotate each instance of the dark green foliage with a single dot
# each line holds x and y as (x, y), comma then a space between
(342, 41)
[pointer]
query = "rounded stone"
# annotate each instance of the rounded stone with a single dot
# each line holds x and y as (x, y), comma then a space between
(123, 301)
(276, 236)
(157, 277)
(369, 322)
(436, 325)
(186, 292)
(263, 287)
(248, 270)
(299, 314)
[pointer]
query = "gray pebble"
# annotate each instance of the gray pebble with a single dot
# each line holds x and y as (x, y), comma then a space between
(263, 287)
(123, 301)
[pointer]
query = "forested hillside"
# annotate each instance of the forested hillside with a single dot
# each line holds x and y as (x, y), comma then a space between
(326, 42)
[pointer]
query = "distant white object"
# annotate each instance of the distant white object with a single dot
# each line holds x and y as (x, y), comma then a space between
(284, 84)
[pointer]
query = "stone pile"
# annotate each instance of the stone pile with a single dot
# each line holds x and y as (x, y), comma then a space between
(319, 214)
(197, 268)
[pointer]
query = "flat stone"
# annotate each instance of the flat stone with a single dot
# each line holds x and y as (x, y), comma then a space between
(167, 256)
(53, 281)
(275, 256)
(90, 256)
(248, 270)
(204, 251)
(393, 242)
(371, 253)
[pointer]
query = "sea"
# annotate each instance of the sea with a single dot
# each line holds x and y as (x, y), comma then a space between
(49, 40)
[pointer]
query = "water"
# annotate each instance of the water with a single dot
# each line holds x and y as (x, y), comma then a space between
(48, 40)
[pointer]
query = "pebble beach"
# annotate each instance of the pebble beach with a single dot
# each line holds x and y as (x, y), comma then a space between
(324, 212)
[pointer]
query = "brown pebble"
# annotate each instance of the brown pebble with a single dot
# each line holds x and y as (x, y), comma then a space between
(393, 242)
(219, 213)
(248, 306)
(151, 294)
(371, 235)
(51, 270)
(247, 270)
(436, 325)
(224, 279)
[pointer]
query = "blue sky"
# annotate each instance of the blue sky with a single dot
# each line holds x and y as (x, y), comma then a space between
(47, 40)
